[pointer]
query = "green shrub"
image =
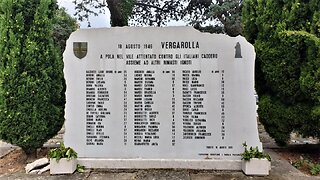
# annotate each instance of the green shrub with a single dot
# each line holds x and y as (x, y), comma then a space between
(286, 36)
(31, 74)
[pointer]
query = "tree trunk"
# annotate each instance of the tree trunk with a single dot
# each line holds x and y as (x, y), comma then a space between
(120, 11)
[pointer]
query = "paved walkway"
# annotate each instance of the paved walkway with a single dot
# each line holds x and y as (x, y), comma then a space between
(281, 169)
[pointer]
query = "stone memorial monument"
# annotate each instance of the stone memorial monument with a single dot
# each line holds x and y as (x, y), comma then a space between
(159, 98)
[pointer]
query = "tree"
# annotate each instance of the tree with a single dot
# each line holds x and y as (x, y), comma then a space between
(120, 10)
(226, 13)
(63, 26)
(227, 17)
(31, 74)
(286, 38)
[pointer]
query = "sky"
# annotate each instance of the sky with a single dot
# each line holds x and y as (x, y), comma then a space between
(102, 20)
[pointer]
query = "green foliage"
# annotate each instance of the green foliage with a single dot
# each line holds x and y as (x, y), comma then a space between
(315, 169)
(253, 153)
(31, 74)
(306, 163)
(300, 163)
(126, 8)
(280, 120)
(227, 13)
(80, 168)
(286, 36)
(62, 152)
(63, 26)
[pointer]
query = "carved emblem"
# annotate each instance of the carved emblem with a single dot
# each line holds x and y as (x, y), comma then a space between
(238, 50)
(80, 49)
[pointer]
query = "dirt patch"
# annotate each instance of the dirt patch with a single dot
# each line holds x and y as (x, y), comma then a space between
(16, 160)
(304, 157)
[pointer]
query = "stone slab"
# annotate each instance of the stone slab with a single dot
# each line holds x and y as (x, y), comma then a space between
(165, 95)
(6, 148)
(37, 163)
(160, 164)
(44, 169)
(160, 174)
(118, 176)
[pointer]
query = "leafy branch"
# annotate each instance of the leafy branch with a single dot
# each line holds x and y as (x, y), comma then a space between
(62, 152)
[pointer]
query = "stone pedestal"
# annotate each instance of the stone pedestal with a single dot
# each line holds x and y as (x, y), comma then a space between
(63, 166)
(258, 167)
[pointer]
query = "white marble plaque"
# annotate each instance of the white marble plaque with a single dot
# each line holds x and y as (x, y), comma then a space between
(159, 93)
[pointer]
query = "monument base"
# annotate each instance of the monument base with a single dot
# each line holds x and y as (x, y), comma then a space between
(160, 164)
